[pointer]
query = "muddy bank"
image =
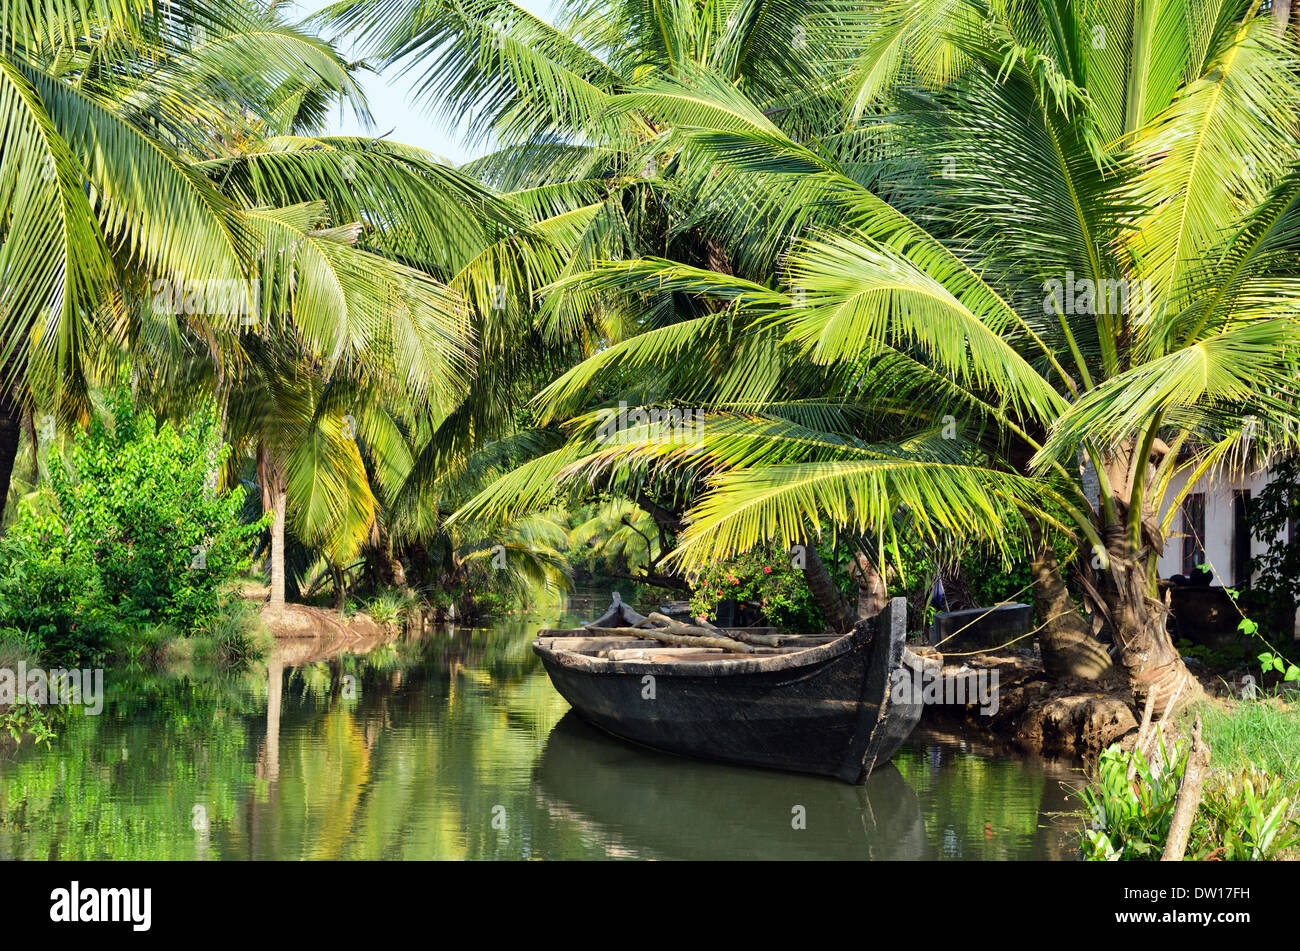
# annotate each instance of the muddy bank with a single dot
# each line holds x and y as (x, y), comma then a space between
(1034, 714)
(288, 621)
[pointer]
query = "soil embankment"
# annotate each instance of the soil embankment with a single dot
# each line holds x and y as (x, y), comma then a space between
(303, 633)
(1039, 715)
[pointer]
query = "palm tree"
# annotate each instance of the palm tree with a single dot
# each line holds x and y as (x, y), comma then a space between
(106, 111)
(369, 271)
(542, 94)
(1050, 245)
(340, 333)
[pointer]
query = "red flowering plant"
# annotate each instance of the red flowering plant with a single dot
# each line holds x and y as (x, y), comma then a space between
(764, 577)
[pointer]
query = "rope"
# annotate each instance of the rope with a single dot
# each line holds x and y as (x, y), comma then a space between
(976, 620)
(989, 650)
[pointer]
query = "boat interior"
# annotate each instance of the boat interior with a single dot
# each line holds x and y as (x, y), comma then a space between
(760, 641)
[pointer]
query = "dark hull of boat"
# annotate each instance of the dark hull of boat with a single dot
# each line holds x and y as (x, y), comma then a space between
(826, 710)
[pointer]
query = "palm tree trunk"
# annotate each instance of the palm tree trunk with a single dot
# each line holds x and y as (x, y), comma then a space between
(340, 588)
(828, 597)
(1137, 617)
(1281, 12)
(1139, 621)
(1069, 649)
(872, 593)
(274, 499)
(29, 424)
(277, 545)
(11, 425)
(387, 569)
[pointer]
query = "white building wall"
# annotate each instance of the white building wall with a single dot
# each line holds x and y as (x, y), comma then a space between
(1219, 528)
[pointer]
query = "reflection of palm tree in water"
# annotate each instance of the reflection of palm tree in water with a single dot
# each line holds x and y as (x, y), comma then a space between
(330, 784)
(268, 759)
(268, 762)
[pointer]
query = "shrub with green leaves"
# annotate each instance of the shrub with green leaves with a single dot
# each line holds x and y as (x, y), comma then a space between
(764, 576)
(1275, 587)
(1245, 814)
(132, 532)
(1129, 818)
(1244, 817)
(52, 599)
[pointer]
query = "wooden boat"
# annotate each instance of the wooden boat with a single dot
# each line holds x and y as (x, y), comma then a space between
(833, 706)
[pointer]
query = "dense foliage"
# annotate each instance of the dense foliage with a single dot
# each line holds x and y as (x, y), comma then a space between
(132, 532)
(765, 578)
(1246, 814)
(1275, 586)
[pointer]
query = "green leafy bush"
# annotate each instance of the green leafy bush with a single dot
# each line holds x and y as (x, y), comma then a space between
(1244, 817)
(131, 533)
(235, 637)
(1275, 588)
(990, 582)
(51, 595)
(387, 607)
(1245, 813)
(766, 577)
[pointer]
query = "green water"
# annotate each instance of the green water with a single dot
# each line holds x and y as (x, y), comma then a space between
(455, 746)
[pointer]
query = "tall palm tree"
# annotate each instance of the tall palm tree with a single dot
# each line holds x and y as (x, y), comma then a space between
(1046, 243)
(543, 94)
(370, 270)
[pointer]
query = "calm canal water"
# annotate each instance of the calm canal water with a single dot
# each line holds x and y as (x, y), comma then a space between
(456, 746)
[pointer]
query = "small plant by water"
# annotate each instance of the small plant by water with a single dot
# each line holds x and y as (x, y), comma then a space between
(387, 607)
(1130, 814)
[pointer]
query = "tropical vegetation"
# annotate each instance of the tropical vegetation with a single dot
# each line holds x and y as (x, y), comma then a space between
(979, 274)
(750, 304)
(898, 295)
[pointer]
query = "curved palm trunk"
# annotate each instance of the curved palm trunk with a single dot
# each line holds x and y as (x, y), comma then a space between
(872, 593)
(828, 597)
(1139, 622)
(1069, 649)
(1137, 617)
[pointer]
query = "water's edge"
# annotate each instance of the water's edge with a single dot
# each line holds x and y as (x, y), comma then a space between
(455, 746)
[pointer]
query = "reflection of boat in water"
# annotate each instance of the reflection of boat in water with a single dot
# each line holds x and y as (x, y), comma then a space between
(811, 705)
(645, 804)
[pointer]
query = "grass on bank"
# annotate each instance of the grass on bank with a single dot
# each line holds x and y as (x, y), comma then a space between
(234, 638)
(1265, 732)
(1250, 806)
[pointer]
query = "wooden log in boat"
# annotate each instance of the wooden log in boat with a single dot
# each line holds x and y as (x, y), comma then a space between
(617, 615)
(668, 653)
(671, 637)
(835, 709)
